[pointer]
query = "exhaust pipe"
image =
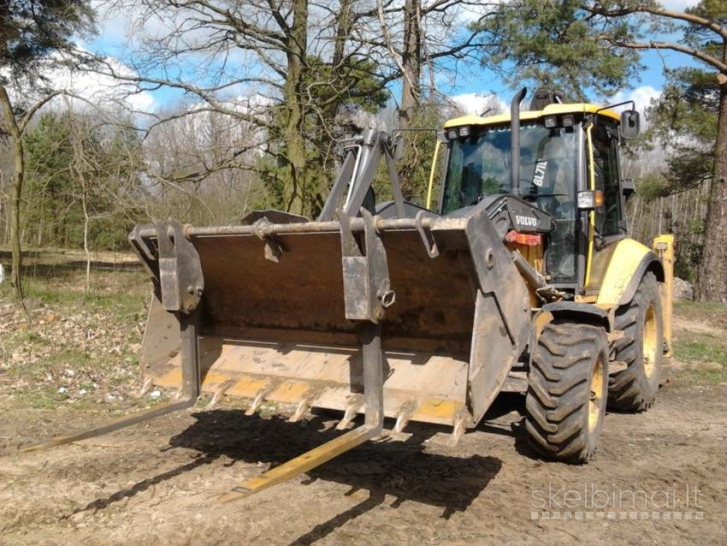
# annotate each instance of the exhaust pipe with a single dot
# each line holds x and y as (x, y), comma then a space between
(515, 141)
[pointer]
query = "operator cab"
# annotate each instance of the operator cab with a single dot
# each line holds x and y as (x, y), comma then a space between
(568, 154)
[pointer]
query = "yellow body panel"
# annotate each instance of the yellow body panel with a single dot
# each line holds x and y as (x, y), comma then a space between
(620, 269)
(550, 110)
(663, 245)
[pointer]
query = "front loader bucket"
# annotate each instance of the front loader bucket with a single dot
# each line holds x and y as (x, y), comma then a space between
(413, 317)
(281, 308)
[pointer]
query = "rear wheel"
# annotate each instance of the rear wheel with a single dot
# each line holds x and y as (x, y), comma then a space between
(634, 388)
(567, 389)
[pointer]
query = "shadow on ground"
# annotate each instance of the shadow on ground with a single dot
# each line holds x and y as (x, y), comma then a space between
(402, 469)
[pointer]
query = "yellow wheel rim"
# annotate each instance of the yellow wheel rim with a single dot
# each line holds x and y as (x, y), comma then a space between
(650, 342)
(598, 391)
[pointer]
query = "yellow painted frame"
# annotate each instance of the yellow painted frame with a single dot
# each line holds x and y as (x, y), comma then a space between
(592, 214)
(432, 173)
(663, 245)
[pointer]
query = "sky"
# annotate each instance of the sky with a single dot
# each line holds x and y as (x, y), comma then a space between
(471, 91)
(472, 94)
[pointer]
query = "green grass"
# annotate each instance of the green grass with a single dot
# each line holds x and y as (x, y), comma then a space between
(55, 363)
(702, 343)
(701, 348)
(700, 309)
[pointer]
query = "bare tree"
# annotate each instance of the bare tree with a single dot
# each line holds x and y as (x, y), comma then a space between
(285, 68)
(30, 30)
(15, 125)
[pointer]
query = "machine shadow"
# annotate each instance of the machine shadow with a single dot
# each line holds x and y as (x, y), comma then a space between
(506, 417)
(394, 468)
(401, 469)
(139, 487)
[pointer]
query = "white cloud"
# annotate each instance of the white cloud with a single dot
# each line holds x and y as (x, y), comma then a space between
(102, 89)
(89, 89)
(471, 13)
(642, 96)
(680, 4)
(478, 103)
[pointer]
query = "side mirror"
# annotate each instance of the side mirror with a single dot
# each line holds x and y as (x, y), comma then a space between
(627, 187)
(630, 124)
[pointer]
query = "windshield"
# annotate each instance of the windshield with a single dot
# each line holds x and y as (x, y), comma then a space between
(480, 166)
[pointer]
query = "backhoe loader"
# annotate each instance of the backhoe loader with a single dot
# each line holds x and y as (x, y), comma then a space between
(519, 277)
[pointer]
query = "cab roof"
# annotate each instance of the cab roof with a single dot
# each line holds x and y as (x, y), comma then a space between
(529, 115)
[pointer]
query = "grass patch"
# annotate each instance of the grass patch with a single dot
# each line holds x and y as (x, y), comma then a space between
(701, 340)
(52, 365)
(714, 314)
(74, 347)
(701, 348)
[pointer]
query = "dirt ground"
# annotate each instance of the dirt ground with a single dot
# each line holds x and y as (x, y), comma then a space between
(659, 477)
(158, 482)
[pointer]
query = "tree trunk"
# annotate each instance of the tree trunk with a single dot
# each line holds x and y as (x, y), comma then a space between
(293, 128)
(86, 249)
(16, 192)
(411, 60)
(712, 281)
(411, 63)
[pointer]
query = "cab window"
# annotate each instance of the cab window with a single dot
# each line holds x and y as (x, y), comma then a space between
(609, 216)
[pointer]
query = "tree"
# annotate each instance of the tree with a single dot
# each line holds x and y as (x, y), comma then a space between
(297, 70)
(198, 165)
(279, 67)
(684, 121)
(419, 37)
(594, 45)
(555, 44)
(31, 31)
(82, 181)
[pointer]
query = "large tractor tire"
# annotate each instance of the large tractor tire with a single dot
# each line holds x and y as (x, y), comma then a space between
(634, 388)
(567, 390)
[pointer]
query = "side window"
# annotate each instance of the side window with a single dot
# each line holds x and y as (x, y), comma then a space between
(605, 164)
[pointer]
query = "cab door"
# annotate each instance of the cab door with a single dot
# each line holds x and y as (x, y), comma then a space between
(606, 222)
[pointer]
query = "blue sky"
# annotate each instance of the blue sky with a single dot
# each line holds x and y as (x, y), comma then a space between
(642, 90)
(468, 88)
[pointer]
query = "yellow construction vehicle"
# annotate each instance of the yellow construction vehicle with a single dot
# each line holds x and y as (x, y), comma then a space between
(519, 278)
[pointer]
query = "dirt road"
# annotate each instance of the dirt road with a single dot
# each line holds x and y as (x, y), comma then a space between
(157, 483)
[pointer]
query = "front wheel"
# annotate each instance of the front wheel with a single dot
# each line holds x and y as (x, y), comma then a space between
(567, 388)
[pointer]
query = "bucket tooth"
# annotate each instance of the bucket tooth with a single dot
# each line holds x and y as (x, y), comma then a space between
(257, 402)
(219, 393)
(302, 407)
(146, 387)
(352, 409)
(460, 425)
(405, 413)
